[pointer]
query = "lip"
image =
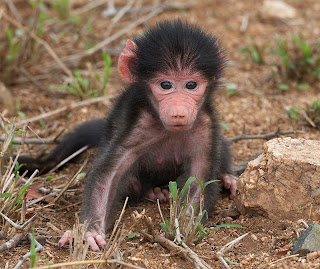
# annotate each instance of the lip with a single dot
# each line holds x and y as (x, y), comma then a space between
(178, 127)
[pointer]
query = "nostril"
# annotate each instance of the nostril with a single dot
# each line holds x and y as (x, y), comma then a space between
(178, 116)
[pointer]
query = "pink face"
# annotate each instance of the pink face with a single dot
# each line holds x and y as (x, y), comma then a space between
(178, 97)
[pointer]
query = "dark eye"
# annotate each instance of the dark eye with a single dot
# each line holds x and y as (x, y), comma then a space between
(191, 85)
(166, 85)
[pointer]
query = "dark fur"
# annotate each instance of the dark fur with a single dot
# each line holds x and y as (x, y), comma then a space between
(88, 133)
(160, 47)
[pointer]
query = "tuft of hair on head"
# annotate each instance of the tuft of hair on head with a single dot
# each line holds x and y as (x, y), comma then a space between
(177, 46)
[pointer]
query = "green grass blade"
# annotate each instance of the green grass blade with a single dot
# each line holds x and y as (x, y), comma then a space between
(164, 227)
(232, 225)
(209, 182)
(173, 190)
(199, 182)
(186, 186)
(33, 251)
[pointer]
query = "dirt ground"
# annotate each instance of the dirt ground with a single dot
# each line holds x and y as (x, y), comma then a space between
(257, 104)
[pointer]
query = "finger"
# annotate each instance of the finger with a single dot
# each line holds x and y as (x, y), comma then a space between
(156, 190)
(226, 181)
(92, 243)
(161, 197)
(159, 194)
(227, 184)
(233, 187)
(151, 195)
(100, 240)
(65, 238)
(166, 194)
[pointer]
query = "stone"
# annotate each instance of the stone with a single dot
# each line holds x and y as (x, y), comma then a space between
(277, 9)
(283, 182)
(308, 241)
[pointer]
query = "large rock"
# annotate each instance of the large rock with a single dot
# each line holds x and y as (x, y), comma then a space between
(283, 182)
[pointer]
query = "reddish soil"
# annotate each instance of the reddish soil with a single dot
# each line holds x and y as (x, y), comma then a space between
(257, 104)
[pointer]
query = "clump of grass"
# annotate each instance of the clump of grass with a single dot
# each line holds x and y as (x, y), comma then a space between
(300, 61)
(185, 223)
(297, 61)
(9, 48)
(94, 84)
(63, 8)
(256, 51)
(77, 246)
(12, 185)
(188, 225)
(17, 47)
(309, 114)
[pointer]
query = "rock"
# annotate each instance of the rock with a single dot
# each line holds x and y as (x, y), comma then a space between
(277, 9)
(283, 182)
(309, 241)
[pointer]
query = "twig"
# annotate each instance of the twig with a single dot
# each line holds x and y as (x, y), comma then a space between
(14, 10)
(78, 248)
(180, 241)
(14, 241)
(31, 141)
(304, 114)
(31, 78)
(110, 39)
(284, 258)
(112, 261)
(96, 3)
(185, 253)
(22, 230)
(42, 42)
(226, 247)
(111, 10)
(54, 228)
(244, 23)
(70, 182)
(122, 11)
(32, 202)
(65, 108)
(124, 30)
(18, 227)
(115, 237)
(303, 222)
(118, 16)
(79, 151)
(160, 211)
(263, 136)
(87, 7)
(39, 247)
